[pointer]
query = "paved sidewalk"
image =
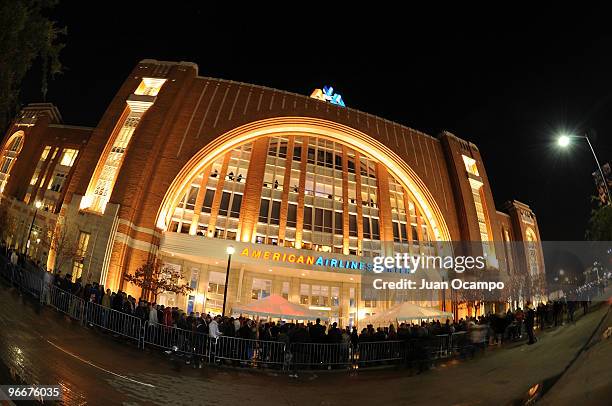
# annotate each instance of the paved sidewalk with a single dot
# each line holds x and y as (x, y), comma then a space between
(44, 347)
(589, 379)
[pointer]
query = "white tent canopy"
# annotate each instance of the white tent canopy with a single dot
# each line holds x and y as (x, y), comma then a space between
(406, 312)
(278, 306)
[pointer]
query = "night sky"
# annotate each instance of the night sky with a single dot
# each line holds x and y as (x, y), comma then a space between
(508, 85)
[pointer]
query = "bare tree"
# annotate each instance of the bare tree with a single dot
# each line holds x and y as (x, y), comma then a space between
(155, 278)
(8, 224)
(63, 245)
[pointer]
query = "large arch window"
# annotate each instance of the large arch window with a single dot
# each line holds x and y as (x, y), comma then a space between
(532, 252)
(313, 200)
(9, 156)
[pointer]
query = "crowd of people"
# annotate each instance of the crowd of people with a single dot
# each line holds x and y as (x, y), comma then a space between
(491, 328)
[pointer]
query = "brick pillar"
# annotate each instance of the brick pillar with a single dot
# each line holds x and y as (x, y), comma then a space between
(384, 208)
(358, 203)
(345, 202)
(42, 175)
(49, 175)
(301, 192)
(419, 220)
(408, 219)
(214, 212)
(285, 195)
(199, 201)
(249, 212)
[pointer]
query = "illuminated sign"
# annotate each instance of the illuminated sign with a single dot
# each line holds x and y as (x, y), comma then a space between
(305, 259)
(327, 94)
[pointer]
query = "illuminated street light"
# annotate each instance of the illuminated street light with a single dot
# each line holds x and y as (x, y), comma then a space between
(37, 205)
(230, 251)
(564, 140)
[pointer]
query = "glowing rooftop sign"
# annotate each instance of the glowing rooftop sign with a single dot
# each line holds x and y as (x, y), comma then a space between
(327, 94)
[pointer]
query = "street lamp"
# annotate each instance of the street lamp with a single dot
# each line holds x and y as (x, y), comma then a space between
(38, 205)
(230, 250)
(564, 141)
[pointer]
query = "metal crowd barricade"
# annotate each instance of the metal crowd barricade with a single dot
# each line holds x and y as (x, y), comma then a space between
(66, 302)
(440, 346)
(112, 320)
(31, 282)
(321, 355)
(185, 341)
(256, 353)
(459, 341)
(383, 351)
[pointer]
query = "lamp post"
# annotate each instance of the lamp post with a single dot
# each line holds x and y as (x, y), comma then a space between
(565, 140)
(38, 205)
(230, 250)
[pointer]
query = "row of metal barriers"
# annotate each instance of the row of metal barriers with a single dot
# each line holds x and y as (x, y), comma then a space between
(232, 350)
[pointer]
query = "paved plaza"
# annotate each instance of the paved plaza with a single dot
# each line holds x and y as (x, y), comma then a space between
(41, 346)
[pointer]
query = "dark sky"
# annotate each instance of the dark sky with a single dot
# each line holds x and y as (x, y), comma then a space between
(507, 82)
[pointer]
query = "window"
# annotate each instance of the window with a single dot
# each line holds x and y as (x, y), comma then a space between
(275, 214)
(335, 296)
(304, 294)
(216, 283)
(367, 233)
(195, 274)
(225, 199)
(8, 158)
(292, 215)
(307, 218)
(149, 86)
(58, 182)
(396, 232)
(208, 200)
(297, 153)
(77, 265)
(285, 290)
(375, 229)
(68, 157)
(338, 223)
(318, 219)
(191, 197)
(353, 225)
(264, 208)
(261, 288)
(39, 167)
(470, 165)
(236, 203)
(112, 163)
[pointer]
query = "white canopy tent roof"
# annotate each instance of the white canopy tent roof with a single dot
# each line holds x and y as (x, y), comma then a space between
(278, 306)
(406, 312)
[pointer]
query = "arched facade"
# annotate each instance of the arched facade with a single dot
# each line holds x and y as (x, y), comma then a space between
(10, 153)
(345, 140)
(181, 165)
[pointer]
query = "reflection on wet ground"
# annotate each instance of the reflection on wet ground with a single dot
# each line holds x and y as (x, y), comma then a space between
(41, 346)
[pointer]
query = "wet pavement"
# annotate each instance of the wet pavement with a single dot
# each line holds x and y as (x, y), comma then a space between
(42, 346)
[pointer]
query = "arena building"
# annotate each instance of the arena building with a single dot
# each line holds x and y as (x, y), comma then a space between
(306, 190)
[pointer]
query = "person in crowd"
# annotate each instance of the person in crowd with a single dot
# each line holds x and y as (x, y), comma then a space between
(529, 323)
(106, 299)
(213, 328)
(152, 314)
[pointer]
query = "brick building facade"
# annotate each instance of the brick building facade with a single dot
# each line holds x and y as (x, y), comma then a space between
(179, 165)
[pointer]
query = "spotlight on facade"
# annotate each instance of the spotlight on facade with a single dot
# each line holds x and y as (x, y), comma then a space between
(563, 140)
(38, 204)
(230, 250)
